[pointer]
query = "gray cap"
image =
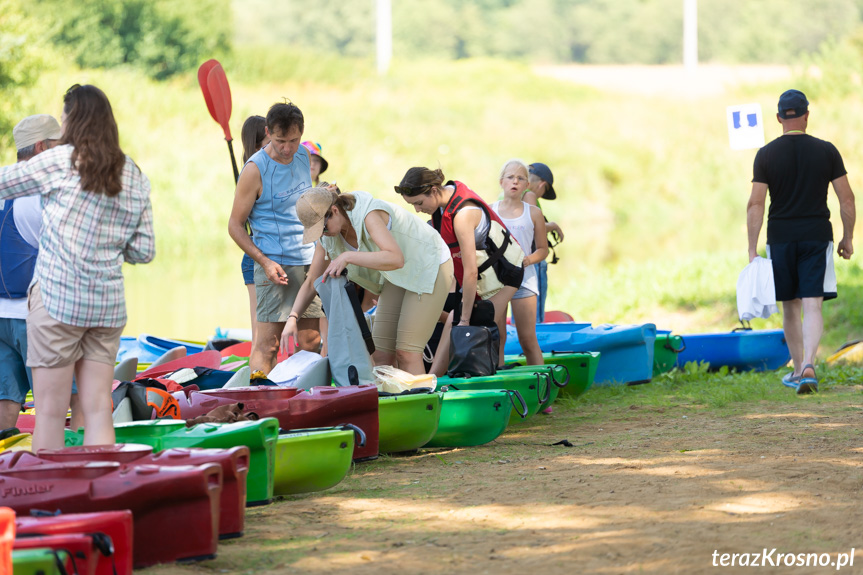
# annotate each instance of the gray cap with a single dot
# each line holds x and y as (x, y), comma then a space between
(34, 129)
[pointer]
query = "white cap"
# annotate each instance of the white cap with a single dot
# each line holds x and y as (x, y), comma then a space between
(34, 129)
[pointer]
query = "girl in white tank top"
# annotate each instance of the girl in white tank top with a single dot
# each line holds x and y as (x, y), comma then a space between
(526, 224)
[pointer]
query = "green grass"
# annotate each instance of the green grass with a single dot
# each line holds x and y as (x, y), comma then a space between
(719, 391)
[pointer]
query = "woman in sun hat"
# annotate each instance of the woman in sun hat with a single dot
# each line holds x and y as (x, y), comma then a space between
(386, 250)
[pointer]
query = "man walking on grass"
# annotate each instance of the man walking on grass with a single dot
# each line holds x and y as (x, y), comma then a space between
(796, 169)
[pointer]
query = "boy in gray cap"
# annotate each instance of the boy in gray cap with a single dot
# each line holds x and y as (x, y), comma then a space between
(541, 186)
(19, 245)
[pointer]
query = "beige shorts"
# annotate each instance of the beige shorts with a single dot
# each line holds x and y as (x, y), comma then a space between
(51, 343)
(405, 320)
(275, 301)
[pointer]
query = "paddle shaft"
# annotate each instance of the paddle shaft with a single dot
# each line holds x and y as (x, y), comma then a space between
(233, 160)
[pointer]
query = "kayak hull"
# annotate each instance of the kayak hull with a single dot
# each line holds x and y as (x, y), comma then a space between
(534, 387)
(751, 350)
(312, 460)
(626, 351)
(470, 418)
(408, 422)
(581, 366)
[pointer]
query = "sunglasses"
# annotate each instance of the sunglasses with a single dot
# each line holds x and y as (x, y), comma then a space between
(412, 190)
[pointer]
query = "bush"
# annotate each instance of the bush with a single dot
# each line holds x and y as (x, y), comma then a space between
(161, 37)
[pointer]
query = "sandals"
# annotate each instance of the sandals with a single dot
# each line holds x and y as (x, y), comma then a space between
(791, 380)
(807, 384)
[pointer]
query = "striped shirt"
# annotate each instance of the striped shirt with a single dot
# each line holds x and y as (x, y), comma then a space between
(86, 236)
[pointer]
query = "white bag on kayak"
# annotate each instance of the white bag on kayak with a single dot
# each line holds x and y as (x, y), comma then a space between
(304, 370)
(394, 380)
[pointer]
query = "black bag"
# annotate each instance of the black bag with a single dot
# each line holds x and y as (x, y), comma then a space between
(473, 351)
(482, 313)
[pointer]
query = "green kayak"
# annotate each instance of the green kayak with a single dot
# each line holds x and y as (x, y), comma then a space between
(533, 385)
(38, 561)
(407, 422)
(469, 418)
(581, 366)
(312, 459)
(558, 374)
(665, 350)
(259, 436)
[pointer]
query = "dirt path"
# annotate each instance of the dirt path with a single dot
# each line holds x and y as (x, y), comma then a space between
(642, 490)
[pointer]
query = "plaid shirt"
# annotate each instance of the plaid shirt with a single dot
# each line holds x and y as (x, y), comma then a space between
(86, 237)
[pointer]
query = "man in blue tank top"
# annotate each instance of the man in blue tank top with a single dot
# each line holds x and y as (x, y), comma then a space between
(20, 225)
(270, 184)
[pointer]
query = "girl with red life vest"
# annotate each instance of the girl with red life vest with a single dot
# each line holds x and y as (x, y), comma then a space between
(527, 225)
(487, 260)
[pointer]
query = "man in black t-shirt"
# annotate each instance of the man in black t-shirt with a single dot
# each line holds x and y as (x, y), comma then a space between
(797, 169)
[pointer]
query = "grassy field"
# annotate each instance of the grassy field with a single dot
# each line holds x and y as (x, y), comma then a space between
(650, 195)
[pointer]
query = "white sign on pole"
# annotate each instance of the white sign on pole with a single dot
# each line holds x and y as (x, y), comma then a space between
(745, 126)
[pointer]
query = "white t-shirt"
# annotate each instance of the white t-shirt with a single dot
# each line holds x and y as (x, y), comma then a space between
(28, 220)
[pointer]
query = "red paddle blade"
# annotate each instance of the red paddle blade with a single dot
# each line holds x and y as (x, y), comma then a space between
(203, 72)
(220, 93)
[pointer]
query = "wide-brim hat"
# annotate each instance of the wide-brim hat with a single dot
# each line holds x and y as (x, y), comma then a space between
(314, 149)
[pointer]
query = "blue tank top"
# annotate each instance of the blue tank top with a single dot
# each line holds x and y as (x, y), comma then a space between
(276, 229)
(17, 257)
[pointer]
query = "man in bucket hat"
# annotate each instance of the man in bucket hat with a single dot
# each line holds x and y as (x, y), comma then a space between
(797, 169)
(20, 225)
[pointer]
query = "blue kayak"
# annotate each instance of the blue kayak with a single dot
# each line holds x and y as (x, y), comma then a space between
(749, 350)
(129, 347)
(159, 345)
(626, 351)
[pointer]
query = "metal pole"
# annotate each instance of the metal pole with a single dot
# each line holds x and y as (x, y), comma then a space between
(384, 35)
(690, 34)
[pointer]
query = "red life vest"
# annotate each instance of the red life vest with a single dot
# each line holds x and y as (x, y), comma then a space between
(443, 223)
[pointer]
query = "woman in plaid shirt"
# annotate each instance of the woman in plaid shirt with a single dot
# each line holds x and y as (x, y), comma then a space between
(96, 214)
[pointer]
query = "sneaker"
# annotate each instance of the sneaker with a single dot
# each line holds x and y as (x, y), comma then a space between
(547, 410)
(807, 384)
(790, 380)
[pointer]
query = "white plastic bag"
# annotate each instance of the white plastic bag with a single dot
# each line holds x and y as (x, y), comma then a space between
(394, 380)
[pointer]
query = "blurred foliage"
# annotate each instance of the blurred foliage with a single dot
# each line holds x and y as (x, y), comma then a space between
(22, 58)
(586, 31)
(161, 37)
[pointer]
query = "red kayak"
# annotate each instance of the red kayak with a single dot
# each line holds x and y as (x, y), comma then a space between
(107, 545)
(234, 463)
(175, 509)
(316, 407)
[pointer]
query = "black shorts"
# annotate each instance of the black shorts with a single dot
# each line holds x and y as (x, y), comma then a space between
(803, 269)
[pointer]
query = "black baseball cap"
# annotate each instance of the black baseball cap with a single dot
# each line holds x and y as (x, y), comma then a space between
(543, 172)
(792, 104)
